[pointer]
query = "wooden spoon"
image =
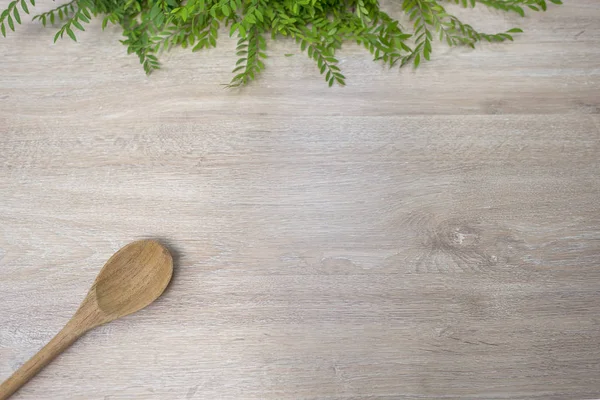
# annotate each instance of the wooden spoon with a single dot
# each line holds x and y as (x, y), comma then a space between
(131, 279)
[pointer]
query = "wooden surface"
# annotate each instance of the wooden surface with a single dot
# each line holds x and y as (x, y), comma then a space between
(131, 279)
(415, 235)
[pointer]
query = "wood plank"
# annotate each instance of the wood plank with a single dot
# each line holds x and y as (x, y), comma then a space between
(428, 234)
(552, 68)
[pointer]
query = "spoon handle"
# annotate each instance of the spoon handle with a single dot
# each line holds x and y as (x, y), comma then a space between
(57, 345)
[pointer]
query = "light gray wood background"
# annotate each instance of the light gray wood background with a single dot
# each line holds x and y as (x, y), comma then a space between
(416, 234)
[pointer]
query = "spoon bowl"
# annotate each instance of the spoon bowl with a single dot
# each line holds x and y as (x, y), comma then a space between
(131, 279)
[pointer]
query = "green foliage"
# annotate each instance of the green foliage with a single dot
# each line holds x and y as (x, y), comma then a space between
(319, 27)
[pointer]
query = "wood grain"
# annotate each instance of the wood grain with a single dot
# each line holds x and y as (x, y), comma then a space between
(417, 234)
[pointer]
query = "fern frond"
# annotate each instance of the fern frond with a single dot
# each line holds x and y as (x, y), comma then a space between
(320, 27)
